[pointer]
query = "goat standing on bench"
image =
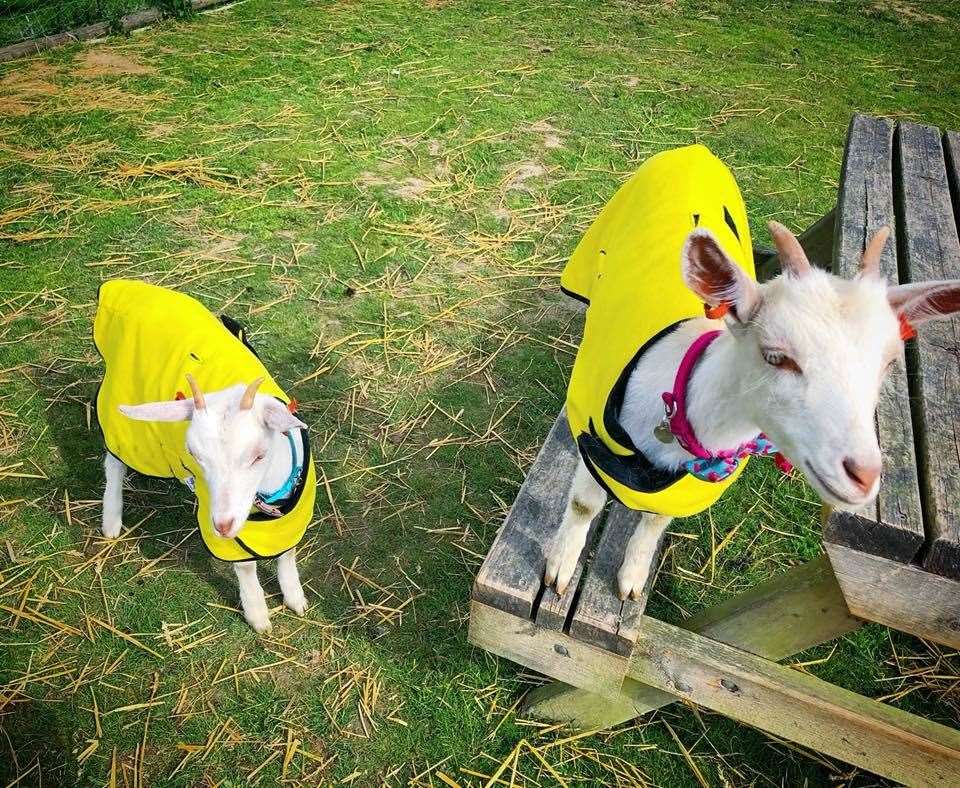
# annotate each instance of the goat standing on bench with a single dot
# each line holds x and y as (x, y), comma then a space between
(238, 445)
(666, 404)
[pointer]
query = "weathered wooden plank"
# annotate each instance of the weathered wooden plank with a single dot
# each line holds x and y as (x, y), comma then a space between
(553, 610)
(512, 573)
(951, 150)
(127, 24)
(791, 612)
(546, 651)
(601, 618)
(901, 596)
(932, 251)
(894, 526)
(796, 706)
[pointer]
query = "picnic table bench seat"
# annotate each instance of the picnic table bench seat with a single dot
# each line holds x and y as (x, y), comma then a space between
(897, 564)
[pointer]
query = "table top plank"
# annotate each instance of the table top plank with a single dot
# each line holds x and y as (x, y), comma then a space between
(511, 576)
(894, 527)
(553, 610)
(932, 251)
(601, 618)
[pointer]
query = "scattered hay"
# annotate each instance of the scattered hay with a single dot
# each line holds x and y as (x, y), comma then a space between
(193, 171)
(39, 86)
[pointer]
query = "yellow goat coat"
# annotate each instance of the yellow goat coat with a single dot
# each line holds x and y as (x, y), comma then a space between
(150, 338)
(627, 269)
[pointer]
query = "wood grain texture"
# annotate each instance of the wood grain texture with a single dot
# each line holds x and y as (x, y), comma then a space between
(894, 526)
(546, 651)
(931, 250)
(796, 706)
(782, 616)
(553, 610)
(601, 618)
(901, 596)
(512, 573)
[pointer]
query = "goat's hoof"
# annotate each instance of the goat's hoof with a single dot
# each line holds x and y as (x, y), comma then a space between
(631, 584)
(260, 623)
(297, 605)
(561, 564)
(111, 530)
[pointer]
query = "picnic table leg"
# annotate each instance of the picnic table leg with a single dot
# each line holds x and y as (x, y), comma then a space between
(793, 611)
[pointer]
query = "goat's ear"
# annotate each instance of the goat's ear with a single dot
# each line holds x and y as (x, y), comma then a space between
(715, 278)
(171, 410)
(277, 417)
(924, 301)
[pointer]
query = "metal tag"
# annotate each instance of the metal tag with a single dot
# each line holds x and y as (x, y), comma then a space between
(662, 431)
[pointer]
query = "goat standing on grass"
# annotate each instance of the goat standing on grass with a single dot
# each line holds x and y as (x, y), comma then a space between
(666, 405)
(237, 445)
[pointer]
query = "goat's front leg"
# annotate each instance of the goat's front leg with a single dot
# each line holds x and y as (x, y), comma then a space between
(638, 557)
(289, 579)
(584, 502)
(114, 471)
(252, 600)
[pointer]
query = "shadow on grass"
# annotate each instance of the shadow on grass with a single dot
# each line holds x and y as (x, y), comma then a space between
(38, 747)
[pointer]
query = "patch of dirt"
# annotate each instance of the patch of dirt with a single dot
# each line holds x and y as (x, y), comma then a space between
(906, 11)
(160, 130)
(411, 188)
(551, 135)
(631, 82)
(104, 62)
(518, 175)
(372, 179)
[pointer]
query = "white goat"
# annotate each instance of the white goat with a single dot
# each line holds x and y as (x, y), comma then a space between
(240, 449)
(800, 358)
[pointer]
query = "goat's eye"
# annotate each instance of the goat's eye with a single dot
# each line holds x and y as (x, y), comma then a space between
(780, 360)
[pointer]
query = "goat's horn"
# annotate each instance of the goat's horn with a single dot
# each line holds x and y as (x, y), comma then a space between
(199, 403)
(792, 257)
(246, 401)
(870, 263)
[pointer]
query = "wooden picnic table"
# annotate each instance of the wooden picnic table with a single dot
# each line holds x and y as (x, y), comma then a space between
(898, 564)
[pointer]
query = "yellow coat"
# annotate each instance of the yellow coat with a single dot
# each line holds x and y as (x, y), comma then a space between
(627, 268)
(150, 338)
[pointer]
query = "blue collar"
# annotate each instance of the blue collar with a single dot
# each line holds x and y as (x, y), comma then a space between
(266, 502)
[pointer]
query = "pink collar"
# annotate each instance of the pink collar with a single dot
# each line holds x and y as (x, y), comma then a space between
(721, 463)
(676, 401)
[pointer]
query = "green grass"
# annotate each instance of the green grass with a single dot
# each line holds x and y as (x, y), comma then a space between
(300, 126)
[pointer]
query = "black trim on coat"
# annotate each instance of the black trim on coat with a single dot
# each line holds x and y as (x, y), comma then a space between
(575, 296)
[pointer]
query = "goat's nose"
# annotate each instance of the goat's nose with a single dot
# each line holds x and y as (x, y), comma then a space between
(223, 526)
(863, 476)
